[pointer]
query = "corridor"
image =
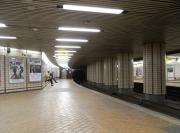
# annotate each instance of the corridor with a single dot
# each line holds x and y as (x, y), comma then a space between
(69, 108)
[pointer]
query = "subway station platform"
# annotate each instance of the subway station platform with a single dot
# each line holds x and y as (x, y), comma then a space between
(69, 108)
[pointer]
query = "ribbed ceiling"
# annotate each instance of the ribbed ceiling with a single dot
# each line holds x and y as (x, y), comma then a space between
(35, 23)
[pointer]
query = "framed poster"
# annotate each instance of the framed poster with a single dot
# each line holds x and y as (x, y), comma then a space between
(34, 69)
(139, 71)
(170, 71)
(16, 70)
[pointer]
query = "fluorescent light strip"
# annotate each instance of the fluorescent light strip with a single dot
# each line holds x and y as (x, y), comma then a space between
(65, 51)
(33, 52)
(92, 9)
(78, 29)
(67, 46)
(2, 25)
(63, 58)
(7, 37)
(63, 54)
(71, 40)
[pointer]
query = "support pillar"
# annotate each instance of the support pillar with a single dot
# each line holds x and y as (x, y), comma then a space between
(87, 73)
(99, 73)
(108, 73)
(91, 73)
(115, 74)
(125, 72)
(94, 73)
(154, 71)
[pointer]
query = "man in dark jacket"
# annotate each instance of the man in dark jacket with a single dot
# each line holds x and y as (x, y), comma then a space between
(50, 79)
(53, 78)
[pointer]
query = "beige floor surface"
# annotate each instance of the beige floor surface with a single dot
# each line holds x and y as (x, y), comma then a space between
(69, 108)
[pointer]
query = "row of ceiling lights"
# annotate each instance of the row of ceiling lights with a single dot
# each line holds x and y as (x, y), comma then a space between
(67, 53)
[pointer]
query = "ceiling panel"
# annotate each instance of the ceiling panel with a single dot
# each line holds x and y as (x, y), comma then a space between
(35, 23)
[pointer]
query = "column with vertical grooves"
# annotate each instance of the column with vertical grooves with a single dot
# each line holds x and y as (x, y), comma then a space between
(125, 72)
(99, 73)
(154, 69)
(107, 75)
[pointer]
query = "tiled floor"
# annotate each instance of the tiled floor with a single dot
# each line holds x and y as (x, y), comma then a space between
(69, 108)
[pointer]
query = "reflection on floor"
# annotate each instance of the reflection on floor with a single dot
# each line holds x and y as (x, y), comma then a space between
(69, 108)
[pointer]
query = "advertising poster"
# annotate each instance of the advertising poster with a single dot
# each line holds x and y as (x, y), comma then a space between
(34, 70)
(170, 72)
(16, 71)
(139, 71)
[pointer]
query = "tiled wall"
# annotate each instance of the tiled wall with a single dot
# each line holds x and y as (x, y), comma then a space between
(2, 74)
(23, 56)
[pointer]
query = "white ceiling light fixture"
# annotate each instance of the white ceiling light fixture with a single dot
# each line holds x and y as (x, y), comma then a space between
(62, 57)
(2, 25)
(92, 9)
(76, 47)
(14, 49)
(33, 52)
(71, 40)
(7, 37)
(78, 29)
(65, 51)
(61, 54)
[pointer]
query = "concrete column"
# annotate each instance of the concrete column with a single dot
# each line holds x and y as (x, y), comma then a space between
(115, 71)
(108, 73)
(87, 73)
(94, 73)
(99, 72)
(154, 69)
(90, 79)
(91, 72)
(125, 72)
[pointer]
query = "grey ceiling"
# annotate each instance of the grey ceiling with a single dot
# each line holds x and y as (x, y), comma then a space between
(146, 20)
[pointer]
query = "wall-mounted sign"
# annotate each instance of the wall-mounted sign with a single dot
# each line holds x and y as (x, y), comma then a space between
(34, 69)
(170, 72)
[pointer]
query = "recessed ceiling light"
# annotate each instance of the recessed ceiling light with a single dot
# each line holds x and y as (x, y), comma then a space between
(71, 40)
(67, 46)
(78, 29)
(2, 25)
(92, 9)
(65, 51)
(7, 37)
(35, 29)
